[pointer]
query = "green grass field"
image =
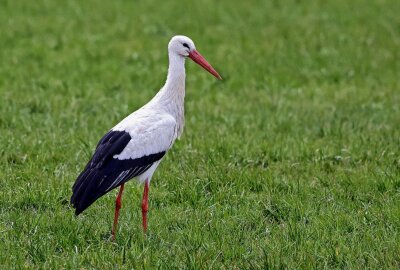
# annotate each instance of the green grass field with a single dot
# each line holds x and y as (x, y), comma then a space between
(292, 161)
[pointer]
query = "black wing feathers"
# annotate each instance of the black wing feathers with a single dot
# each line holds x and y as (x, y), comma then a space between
(104, 173)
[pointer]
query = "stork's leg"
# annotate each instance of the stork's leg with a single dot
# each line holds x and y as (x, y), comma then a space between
(145, 204)
(118, 205)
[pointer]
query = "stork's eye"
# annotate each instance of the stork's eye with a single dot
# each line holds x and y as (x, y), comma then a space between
(185, 45)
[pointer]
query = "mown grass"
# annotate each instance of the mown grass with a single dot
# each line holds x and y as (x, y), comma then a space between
(292, 161)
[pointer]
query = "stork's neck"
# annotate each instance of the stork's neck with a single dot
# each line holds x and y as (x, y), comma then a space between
(176, 72)
(172, 95)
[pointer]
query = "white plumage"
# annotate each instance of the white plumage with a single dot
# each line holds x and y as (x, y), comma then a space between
(135, 146)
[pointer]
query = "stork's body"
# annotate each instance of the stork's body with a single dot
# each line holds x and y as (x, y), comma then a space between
(135, 147)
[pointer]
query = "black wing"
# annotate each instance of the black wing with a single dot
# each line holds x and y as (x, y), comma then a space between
(104, 173)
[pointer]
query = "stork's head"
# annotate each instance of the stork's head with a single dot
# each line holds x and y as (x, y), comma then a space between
(184, 47)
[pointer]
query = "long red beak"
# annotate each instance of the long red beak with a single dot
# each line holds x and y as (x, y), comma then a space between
(199, 59)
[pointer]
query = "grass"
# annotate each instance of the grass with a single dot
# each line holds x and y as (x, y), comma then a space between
(293, 161)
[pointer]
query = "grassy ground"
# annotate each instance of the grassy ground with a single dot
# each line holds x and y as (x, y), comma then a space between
(291, 162)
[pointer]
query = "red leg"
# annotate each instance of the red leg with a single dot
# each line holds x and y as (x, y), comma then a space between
(145, 204)
(118, 205)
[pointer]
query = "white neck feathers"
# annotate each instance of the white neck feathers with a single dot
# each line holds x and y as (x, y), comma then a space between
(176, 71)
(172, 95)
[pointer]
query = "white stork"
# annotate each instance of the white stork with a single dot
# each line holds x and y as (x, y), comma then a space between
(135, 147)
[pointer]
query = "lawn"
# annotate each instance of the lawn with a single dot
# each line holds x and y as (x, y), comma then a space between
(292, 161)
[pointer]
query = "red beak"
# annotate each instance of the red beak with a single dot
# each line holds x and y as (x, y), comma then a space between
(199, 59)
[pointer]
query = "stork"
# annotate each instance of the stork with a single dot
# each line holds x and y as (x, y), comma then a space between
(136, 145)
